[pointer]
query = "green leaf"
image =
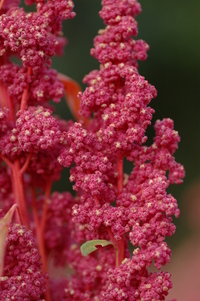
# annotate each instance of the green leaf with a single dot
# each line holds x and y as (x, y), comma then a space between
(91, 245)
(4, 224)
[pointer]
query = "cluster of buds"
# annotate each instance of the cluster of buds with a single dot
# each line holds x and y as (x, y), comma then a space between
(31, 139)
(106, 237)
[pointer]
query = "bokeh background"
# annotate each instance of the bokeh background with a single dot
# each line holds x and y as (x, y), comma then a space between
(171, 28)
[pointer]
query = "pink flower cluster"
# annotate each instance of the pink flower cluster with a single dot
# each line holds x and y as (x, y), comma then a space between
(132, 213)
(112, 205)
(23, 279)
(31, 139)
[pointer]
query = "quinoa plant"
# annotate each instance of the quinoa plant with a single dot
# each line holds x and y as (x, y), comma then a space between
(55, 246)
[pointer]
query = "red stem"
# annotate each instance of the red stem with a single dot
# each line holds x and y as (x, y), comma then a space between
(1, 4)
(25, 93)
(120, 174)
(26, 163)
(7, 102)
(120, 252)
(47, 293)
(42, 250)
(20, 216)
(10, 106)
(35, 212)
(42, 230)
(18, 189)
(7, 161)
(2, 99)
(40, 227)
(45, 206)
(5, 99)
(119, 244)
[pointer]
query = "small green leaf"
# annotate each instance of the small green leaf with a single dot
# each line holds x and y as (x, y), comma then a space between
(91, 245)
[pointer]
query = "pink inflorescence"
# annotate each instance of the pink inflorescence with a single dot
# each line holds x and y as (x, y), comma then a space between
(43, 84)
(31, 139)
(132, 212)
(59, 226)
(111, 204)
(35, 130)
(22, 276)
(34, 38)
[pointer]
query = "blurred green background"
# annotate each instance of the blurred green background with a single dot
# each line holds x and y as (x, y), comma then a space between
(171, 28)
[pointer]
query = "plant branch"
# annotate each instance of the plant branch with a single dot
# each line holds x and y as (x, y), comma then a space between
(10, 164)
(18, 190)
(1, 4)
(26, 163)
(25, 93)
